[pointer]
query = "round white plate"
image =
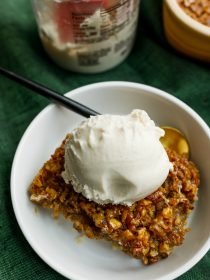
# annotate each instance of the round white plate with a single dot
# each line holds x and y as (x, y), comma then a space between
(55, 241)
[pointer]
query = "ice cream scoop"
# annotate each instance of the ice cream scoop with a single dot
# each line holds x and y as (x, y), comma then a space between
(116, 159)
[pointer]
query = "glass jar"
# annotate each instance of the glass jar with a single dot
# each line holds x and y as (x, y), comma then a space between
(87, 36)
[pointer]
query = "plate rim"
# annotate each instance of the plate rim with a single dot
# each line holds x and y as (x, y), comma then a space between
(72, 93)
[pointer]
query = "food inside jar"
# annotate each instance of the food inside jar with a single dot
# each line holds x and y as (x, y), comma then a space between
(197, 9)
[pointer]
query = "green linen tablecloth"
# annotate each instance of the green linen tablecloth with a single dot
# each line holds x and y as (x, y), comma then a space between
(152, 62)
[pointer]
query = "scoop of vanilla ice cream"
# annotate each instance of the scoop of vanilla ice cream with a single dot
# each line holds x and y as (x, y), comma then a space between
(116, 159)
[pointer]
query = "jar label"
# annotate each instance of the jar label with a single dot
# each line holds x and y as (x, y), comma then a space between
(91, 35)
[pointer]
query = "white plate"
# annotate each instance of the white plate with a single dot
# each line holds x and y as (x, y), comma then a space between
(55, 241)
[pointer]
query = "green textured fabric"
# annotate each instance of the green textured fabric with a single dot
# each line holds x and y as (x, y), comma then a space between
(151, 62)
